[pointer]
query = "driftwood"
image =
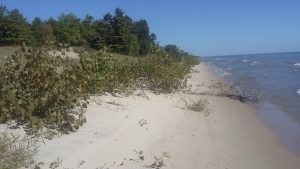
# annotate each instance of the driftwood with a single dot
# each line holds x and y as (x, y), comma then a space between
(249, 93)
(231, 96)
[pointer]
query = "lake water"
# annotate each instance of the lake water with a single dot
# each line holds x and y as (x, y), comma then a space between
(277, 77)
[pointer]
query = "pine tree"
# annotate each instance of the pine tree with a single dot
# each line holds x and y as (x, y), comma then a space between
(14, 29)
(124, 41)
(68, 30)
(142, 31)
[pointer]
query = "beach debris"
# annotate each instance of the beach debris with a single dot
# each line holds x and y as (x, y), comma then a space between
(143, 122)
(104, 166)
(81, 163)
(140, 154)
(55, 164)
(113, 103)
(159, 162)
(143, 94)
(244, 90)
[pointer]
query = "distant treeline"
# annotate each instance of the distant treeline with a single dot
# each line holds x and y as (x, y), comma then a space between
(116, 32)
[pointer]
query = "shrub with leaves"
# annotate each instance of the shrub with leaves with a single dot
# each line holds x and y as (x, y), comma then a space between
(16, 151)
(104, 73)
(40, 90)
(199, 106)
(162, 73)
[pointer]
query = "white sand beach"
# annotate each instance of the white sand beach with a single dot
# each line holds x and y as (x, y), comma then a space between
(134, 132)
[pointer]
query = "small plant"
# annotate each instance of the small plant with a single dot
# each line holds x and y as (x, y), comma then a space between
(159, 162)
(17, 151)
(140, 154)
(143, 122)
(55, 164)
(199, 106)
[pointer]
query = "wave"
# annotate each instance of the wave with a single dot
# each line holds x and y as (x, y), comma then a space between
(298, 92)
(245, 60)
(226, 73)
(297, 64)
(254, 63)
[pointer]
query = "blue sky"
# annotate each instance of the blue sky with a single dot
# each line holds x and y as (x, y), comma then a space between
(205, 28)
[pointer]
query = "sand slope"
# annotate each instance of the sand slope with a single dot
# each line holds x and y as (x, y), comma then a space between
(117, 128)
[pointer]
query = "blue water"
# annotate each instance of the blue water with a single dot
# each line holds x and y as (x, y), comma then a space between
(277, 77)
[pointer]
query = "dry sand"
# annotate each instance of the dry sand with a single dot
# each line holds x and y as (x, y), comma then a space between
(118, 128)
(70, 53)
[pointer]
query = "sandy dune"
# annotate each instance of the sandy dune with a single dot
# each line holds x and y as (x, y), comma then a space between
(70, 53)
(121, 131)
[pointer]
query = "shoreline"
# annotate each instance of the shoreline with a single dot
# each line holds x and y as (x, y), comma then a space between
(119, 130)
(281, 123)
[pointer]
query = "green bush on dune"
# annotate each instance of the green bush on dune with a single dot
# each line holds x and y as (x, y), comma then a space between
(40, 90)
(162, 73)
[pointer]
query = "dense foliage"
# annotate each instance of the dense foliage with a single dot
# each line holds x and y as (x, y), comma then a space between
(117, 32)
(40, 90)
(14, 29)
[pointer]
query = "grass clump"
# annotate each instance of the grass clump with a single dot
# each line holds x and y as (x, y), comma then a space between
(199, 106)
(16, 151)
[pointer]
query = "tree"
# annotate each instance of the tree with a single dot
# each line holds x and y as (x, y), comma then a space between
(107, 24)
(3, 23)
(142, 31)
(14, 29)
(173, 51)
(68, 30)
(104, 32)
(153, 38)
(87, 30)
(124, 41)
(43, 32)
(3, 11)
(132, 46)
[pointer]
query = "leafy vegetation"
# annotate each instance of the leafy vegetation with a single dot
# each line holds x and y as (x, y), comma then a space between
(16, 151)
(14, 29)
(40, 90)
(200, 106)
(118, 32)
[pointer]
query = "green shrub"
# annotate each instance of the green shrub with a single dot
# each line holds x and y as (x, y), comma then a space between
(104, 73)
(191, 60)
(16, 151)
(199, 106)
(162, 73)
(40, 90)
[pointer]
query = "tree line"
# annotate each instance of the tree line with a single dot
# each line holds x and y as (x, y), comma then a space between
(116, 32)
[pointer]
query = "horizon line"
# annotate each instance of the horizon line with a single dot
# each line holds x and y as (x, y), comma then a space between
(251, 54)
